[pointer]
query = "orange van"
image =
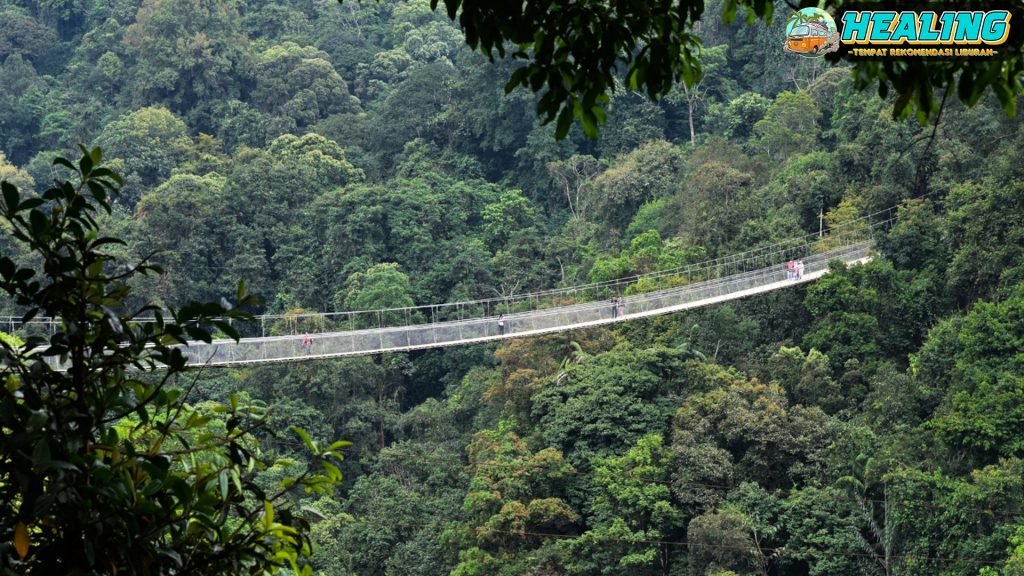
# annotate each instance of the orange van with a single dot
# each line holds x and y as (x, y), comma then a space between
(808, 37)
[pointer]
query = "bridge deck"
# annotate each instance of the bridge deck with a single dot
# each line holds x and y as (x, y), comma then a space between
(530, 323)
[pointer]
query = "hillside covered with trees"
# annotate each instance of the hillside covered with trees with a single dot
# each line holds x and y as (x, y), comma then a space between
(360, 156)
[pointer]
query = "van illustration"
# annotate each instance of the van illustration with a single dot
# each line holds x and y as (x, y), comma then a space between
(811, 32)
(809, 37)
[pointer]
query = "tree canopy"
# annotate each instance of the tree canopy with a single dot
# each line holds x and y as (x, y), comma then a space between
(361, 156)
(574, 54)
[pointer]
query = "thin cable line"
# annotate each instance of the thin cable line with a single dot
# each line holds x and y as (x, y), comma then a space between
(787, 245)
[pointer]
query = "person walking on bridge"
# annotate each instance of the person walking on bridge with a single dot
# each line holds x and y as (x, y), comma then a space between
(501, 324)
(307, 344)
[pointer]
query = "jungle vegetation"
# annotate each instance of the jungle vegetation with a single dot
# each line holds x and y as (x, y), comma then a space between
(361, 155)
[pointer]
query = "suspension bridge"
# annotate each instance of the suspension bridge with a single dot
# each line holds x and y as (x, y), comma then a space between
(304, 337)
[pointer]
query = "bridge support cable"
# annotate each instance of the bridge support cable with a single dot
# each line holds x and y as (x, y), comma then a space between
(530, 322)
(349, 333)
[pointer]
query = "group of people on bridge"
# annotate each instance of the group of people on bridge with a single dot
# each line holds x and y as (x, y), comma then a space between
(795, 269)
(618, 307)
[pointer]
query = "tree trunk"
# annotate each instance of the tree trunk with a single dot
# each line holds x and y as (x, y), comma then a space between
(693, 135)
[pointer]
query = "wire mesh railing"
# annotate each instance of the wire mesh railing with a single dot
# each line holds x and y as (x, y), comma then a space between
(754, 259)
(465, 312)
(518, 324)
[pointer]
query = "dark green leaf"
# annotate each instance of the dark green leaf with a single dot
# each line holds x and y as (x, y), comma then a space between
(11, 197)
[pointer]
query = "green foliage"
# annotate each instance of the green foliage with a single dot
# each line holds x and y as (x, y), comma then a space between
(188, 52)
(984, 401)
(957, 522)
(866, 310)
(823, 538)
(300, 86)
(646, 253)
(25, 36)
(985, 224)
(575, 61)
(314, 153)
(743, 113)
(190, 218)
(631, 512)
(807, 185)
(722, 540)
(789, 126)
(107, 449)
(714, 201)
(915, 241)
(381, 286)
(15, 176)
(146, 145)
(807, 378)
(646, 174)
(1015, 561)
(389, 521)
(511, 500)
(608, 401)
(503, 219)
(750, 427)
(364, 151)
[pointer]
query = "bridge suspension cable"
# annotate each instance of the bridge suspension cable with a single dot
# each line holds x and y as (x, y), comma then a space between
(360, 332)
(531, 322)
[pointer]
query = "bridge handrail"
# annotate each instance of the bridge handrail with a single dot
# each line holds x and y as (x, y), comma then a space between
(530, 323)
(693, 268)
(545, 312)
(759, 255)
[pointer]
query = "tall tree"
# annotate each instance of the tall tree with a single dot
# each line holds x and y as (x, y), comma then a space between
(514, 495)
(633, 517)
(188, 53)
(789, 126)
(147, 145)
(299, 84)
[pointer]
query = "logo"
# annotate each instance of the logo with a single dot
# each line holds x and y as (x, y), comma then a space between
(811, 32)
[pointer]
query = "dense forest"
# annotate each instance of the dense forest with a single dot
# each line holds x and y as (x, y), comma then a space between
(359, 155)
